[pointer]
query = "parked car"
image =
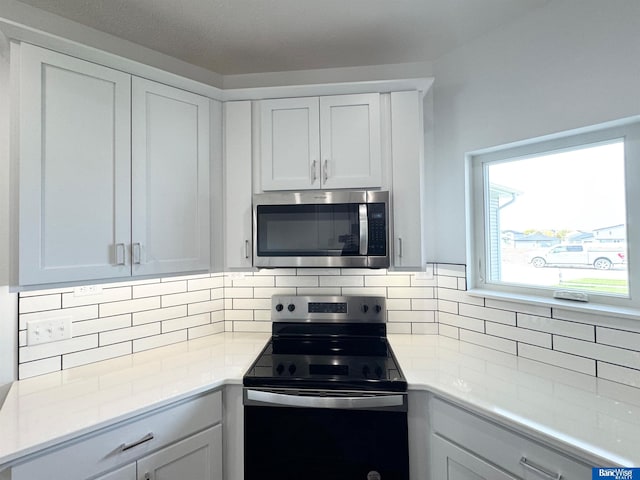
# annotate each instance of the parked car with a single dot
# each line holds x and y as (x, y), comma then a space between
(600, 257)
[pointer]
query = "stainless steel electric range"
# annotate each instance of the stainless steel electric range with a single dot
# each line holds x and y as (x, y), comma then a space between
(326, 399)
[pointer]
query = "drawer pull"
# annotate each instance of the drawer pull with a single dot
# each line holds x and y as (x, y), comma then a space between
(543, 472)
(124, 447)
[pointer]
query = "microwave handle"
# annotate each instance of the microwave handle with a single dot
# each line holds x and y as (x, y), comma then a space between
(364, 228)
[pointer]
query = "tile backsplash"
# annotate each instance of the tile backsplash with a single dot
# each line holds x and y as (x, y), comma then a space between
(129, 317)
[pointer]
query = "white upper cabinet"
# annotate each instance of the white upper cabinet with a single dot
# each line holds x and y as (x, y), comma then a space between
(170, 173)
(326, 142)
(74, 214)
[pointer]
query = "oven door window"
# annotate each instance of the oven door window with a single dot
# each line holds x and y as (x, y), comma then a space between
(308, 230)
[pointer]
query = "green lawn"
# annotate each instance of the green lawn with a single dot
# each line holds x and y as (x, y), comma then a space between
(598, 285)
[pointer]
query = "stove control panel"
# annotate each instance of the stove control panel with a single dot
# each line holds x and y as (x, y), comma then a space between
(320, 308)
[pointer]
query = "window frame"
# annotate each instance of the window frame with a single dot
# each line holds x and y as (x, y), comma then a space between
(478, 242)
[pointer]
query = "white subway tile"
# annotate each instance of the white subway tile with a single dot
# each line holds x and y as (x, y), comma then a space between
(107, 295)
(129, 306)
(40, 303)
(387, 281)
(228, 326)
(165, 288)
(410, 316)
(205, 330)
(447, 306)
(398, 328)
(22, 338)
(410, 292)
(253, 281)
(45, 350)
(461, 322)
(459, 296)
(96, 355)
(462, 283)
(228, 304)
(371, 291)
(495, 343)
(618, 338)
(318, 271)
(217, 316)
(186, 322)
(159, 340)
(557, 327)
(424, 304)
(616, 373)
(241, 315)
(559, 359)
(130, 333)
(202, 307)
(448, 282)
(276, 271)
(342, 281)
(491, 314)
(76, 314)
(262, 315)
(205, 283)
(261, 292)
(251, 303)
(399, 304)
(239, 292)
(424, 282)
(97, 325)
(185, 277)
(448, 331)
(605, 353)
(217, 293)
(159, 314)
(518, 307)
(186, 298)
(319, 291)
(451, 270)
(39, 367)
(523, 335)
(306, 281)
(364, 271)
(262, 327)
(424, 328)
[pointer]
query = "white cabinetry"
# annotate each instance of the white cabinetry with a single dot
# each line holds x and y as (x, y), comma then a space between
(466, 446)
(183, 441)
(321, 142)
(110, 184)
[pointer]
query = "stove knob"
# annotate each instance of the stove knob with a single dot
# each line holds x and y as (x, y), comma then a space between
(365, 308)
(378, 308)
(378, 371)
(292, 369)
(291, 307)
(279, 307)
(365, 371)
(280, 369)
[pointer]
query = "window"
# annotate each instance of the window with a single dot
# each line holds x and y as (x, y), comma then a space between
(561, 213)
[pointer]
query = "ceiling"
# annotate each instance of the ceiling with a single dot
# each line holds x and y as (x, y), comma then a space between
(251, 36)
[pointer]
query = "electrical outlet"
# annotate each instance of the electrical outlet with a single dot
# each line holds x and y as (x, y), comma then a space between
(87, 290)
(48, 330)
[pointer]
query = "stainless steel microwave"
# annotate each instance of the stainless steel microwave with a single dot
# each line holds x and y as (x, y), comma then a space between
(318, 228)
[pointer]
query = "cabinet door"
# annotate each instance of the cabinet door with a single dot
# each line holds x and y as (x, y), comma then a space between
(128, 472)
(170, 174)
(448, 462)
(237, 185)
(407, 156)
(198, 457)
(290, 148)
(74, 218)
(350, 141)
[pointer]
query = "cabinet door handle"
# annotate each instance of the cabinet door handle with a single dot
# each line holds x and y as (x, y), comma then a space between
(325, 171)
(135, 253)
(127, 446)
(399, 247)
(543, 472)
(246, 249)
(314, 177)
(119, 253)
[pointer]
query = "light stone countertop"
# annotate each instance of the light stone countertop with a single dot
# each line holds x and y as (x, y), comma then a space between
(594, 419)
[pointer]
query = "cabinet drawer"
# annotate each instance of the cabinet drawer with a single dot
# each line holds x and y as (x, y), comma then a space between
(503, 447)
(106, 449)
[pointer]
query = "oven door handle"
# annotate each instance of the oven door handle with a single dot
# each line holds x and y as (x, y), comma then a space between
(343, 403)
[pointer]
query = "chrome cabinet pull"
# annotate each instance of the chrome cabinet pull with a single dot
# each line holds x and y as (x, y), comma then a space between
(399, 247)
(135, 253)
(325, 171)
(246, 249)
(119, 253)
(314, 177)
(543, 472)
(127, 446)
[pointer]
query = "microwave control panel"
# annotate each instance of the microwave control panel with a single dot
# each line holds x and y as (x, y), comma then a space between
(377, 229)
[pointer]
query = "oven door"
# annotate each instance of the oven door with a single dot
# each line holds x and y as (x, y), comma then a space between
(337, 436)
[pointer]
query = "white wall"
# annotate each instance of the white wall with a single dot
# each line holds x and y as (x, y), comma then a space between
(570, 64)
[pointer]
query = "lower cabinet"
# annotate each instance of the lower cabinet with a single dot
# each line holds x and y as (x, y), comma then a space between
(128, 472)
